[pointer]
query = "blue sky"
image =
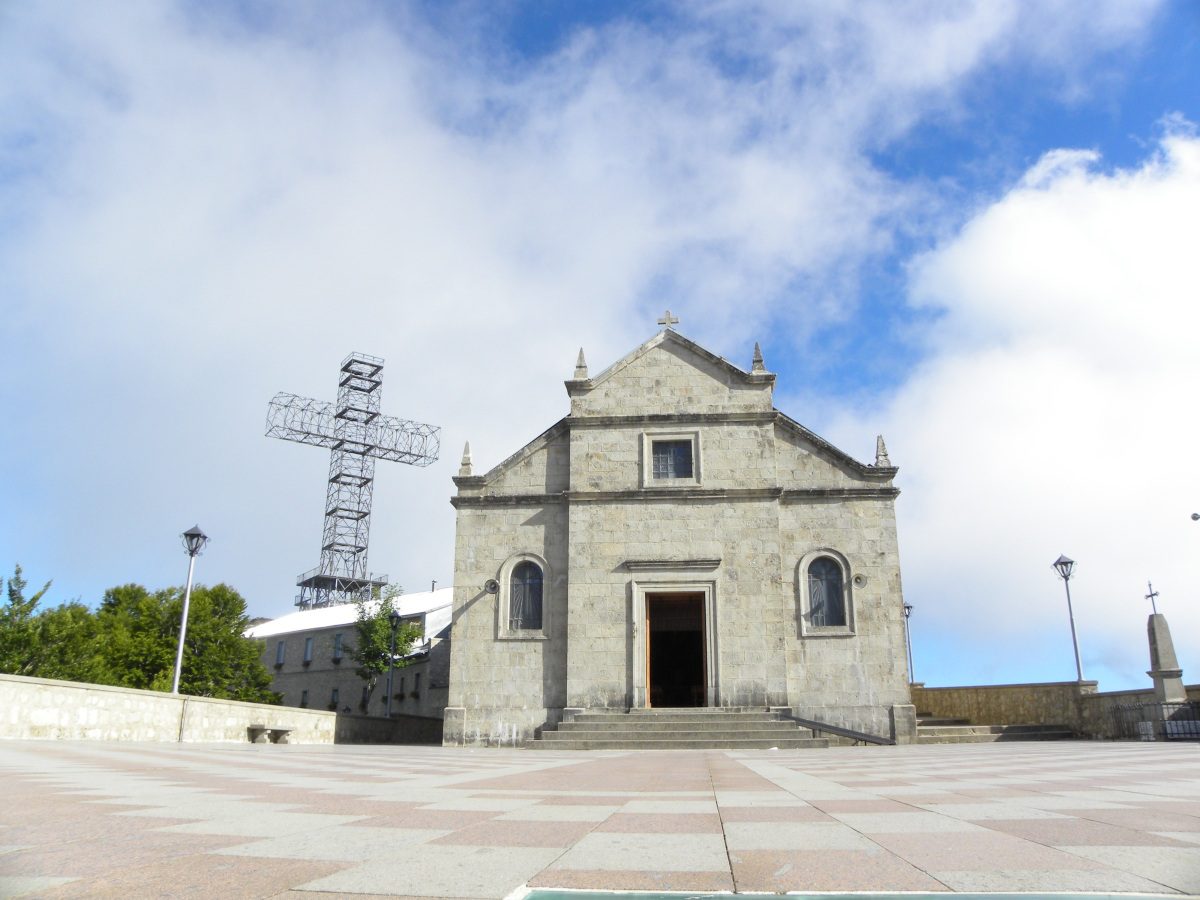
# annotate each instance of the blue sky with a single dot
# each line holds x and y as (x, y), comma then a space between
(969, 228)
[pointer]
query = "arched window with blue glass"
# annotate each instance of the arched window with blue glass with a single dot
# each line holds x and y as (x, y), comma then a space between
(525, 597)
(826, 593)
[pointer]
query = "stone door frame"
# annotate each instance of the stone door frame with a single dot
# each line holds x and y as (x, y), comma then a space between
(640, 635)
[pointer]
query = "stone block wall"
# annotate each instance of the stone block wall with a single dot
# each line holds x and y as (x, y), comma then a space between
(1077, 705)
(44, 709)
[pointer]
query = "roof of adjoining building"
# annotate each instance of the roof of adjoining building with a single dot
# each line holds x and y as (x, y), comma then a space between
(434, 605)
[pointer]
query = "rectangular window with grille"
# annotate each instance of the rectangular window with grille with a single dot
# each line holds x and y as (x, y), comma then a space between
(672, 459)
(279, 648)
(308, 645)
(337, 646)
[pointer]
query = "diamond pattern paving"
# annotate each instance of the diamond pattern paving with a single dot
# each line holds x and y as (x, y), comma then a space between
(142, 820)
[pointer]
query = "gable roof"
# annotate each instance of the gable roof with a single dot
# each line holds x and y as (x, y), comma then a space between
(670, 336)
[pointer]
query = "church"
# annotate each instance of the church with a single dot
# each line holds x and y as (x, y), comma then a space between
(676, 541)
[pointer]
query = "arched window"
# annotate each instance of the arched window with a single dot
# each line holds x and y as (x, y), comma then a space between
(525, 597)
(826, 592)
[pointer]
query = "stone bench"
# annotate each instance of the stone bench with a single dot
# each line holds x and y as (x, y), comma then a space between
(264, 734)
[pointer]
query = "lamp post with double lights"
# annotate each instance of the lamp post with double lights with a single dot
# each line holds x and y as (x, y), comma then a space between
(394, 622)
(1064, 565)
(193, 541)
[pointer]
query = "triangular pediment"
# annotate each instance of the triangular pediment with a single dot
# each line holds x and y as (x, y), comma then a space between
(671, 373)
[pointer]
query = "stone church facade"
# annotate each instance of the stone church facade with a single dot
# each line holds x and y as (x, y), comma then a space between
(676, 541)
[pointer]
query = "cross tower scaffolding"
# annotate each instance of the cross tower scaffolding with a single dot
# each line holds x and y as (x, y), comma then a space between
(356, 434)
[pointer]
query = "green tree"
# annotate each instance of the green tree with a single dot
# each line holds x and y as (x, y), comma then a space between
(373, 632)
(131, 641)
(67, 645)
(18, 627)
(139, 633)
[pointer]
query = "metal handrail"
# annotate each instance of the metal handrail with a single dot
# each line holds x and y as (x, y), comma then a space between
(860, 736)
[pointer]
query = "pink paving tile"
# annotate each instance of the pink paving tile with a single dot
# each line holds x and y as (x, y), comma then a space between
(598, 799)
(773, 814)
(114, 851)
(1072, 832)
(605, 880)
(866, 804)
(433, 819)
(511, 833)
(200, 876)
(971, 851)
(778, 871)
(662, 823)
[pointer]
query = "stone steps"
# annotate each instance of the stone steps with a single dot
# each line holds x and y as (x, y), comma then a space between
(737, 728)
(931, 730)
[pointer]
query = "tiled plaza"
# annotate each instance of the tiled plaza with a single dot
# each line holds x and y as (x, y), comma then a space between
(149, 820)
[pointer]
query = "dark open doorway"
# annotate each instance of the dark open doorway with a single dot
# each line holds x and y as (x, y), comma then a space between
(675, 649)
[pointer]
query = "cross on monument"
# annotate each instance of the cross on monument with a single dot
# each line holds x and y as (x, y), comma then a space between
(668, 319)
(1150, 596)
(356, 435)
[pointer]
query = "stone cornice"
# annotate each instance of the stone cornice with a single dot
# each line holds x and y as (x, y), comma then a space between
(749, 417)
(484, 500)
(659, 565)
(732, 495)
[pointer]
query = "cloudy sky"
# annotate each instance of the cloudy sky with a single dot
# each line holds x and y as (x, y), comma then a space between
(970, 227)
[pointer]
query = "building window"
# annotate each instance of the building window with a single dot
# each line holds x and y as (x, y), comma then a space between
(279, 648)
(304, 698)
(525, 598)
(672, 459)
(523, 606)
(826, 593)
(417, 683)
(826, 598)
(333, 699)
(364, 699)
(337, 647)
(308, 645)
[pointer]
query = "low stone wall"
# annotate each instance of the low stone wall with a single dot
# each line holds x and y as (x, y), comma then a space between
(352, 729)
(1055, 702)
(1077, 705)
(42, 709)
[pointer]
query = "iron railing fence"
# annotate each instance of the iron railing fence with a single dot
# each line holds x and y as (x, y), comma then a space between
(1158, 721)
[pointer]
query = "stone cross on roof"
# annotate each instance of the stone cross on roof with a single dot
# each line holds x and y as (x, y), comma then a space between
(668, 319)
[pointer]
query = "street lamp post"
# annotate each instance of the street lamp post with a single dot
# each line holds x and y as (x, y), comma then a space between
(193, 541)
(908, 641)
(394, 621)
(1064, 565)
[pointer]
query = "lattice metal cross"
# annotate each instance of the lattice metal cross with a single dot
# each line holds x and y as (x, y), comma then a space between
(668, 319)
(356, 435)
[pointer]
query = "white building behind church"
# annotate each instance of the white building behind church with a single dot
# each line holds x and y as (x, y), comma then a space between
(310, 653)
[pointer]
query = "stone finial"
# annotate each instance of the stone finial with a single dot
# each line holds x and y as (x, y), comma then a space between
(756, 365)
(581, 372)
(668, 320)
(1164, 664)
(464, 468)
(881, 456)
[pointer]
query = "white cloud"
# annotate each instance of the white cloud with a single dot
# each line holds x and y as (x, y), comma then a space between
(1056, 413)
(197, 213)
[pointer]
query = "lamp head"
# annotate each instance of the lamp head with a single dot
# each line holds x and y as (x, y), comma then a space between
(908, 608)
(394, 619)
(1063, 565)
(194, 540)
